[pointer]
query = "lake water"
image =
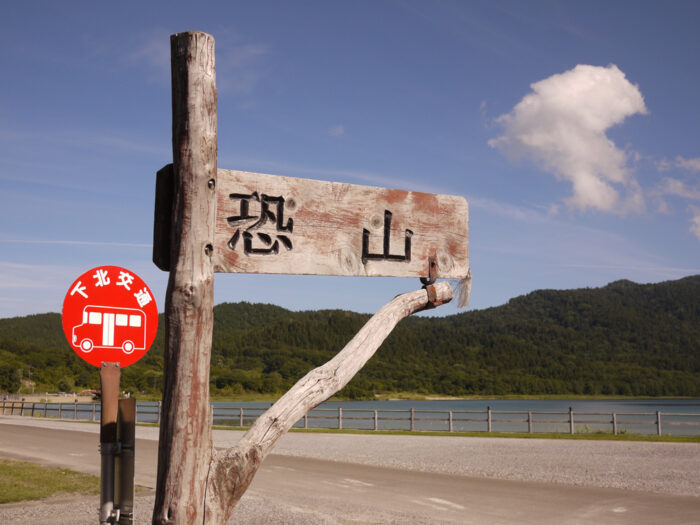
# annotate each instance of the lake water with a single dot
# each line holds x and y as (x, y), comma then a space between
(677, 417)
(639, 416)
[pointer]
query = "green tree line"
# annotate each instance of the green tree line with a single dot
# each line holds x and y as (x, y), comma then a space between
(622, 339)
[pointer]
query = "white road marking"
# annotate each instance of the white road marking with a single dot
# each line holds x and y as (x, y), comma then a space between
(348, 483)
(619, 510)
(277, 467)
(425, 504)
(446, 503)
(358, 483)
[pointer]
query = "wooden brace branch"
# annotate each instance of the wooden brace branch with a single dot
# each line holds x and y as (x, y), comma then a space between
(232, 470)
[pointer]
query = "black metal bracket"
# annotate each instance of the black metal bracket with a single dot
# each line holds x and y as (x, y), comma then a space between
(432, 272)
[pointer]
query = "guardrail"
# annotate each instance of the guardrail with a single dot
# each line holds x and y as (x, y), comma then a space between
(407, 419)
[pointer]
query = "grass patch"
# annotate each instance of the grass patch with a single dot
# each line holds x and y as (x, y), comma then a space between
(21, 481)
(591, 436)
(596, 436)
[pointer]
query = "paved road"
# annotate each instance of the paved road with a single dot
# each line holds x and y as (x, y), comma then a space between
(321, 491)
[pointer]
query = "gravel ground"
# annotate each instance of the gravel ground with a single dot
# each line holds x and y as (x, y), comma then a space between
(668, 468)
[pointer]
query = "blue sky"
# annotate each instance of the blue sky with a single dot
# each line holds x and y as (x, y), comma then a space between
(570, 127)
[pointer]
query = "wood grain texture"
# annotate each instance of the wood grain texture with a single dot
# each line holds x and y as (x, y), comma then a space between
(232, 470)
(319, 228)
(185, 432)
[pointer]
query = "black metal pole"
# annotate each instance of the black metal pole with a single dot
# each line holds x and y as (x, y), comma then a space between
(110, 374)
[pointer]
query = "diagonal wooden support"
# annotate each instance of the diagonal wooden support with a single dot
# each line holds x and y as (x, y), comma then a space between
(231, 471)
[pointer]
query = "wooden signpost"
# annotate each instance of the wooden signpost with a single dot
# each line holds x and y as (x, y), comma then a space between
(272, 224)
(213, 220)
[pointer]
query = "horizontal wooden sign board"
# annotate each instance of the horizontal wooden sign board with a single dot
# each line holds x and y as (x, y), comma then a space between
(284, 225)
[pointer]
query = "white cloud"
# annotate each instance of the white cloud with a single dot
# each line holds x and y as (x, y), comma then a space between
(681, 163)
(34, 276)
(561, 126)
(153, 49)
(504, 209)
(337, 131)
(695, 221)
(671, 186)
(77, 243)
(688, 164)
(238, 67)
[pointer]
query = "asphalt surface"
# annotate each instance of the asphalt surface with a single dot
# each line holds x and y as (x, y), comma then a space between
(293, 489)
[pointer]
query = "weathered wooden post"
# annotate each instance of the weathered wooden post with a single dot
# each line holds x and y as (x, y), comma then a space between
(185, 445)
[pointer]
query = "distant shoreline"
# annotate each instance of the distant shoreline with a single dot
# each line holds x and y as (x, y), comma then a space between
(393, 396)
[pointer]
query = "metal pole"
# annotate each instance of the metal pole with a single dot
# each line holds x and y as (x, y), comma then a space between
(125, 460)
(488, 418)
(340, 418)
(529, 422)
(376, 420)
(658, 422)
(614, 423)
(413, 418)
(571, 420)
(450, 420)
(110, 374)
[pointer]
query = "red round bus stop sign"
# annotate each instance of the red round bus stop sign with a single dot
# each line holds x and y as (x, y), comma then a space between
(110, 315)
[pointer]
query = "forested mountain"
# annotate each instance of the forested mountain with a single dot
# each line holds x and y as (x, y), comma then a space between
(622, 339)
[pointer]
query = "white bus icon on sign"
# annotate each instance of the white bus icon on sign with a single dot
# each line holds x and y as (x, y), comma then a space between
(111, 328)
